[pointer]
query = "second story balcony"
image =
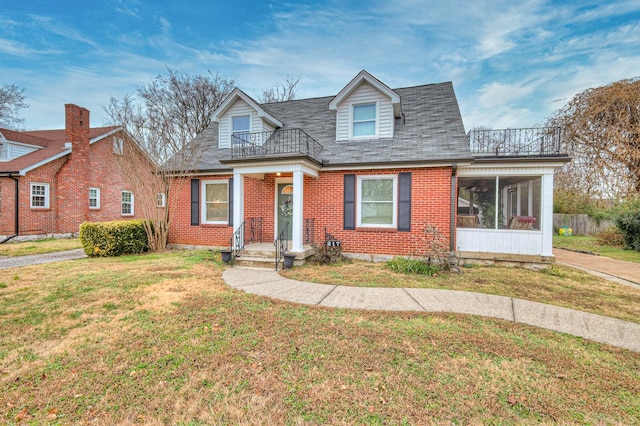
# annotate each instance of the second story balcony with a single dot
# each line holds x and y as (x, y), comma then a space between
(276, 144)
(529, 142)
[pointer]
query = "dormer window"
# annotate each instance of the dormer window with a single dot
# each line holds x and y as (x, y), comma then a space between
(364, 120)
(241, 127)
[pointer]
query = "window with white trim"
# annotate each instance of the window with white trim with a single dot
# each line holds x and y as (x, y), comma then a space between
(363, 120)
(160, 200)
(127, 203)
(215, 201)
(118, 146)
(241, 127)
(94, 198)
(40, 195)
(377, 201)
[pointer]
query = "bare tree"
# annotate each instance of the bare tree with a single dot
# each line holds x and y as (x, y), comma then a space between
(162, 121)
(601, 128)
(282, 91)
(11, 102)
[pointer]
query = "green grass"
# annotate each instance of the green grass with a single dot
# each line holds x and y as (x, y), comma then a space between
(590, 244)
(44, 246)
(169, 343)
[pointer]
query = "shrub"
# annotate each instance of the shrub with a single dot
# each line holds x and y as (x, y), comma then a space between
(412, 266)
(610, 237)
(627, 220)
(113, 238)
(328, 255)
(436, 250)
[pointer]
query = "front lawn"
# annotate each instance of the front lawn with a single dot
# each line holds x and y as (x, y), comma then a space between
(159, 339)
(48, 245)
(590, 244)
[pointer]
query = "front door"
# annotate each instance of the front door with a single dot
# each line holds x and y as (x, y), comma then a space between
(285, 208)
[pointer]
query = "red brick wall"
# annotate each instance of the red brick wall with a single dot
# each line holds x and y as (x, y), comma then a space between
(323, 200)
(106, 175)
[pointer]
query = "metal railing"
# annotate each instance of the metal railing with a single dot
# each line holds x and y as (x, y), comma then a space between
(536, 141)
(274, 144)
(281, 244)
(309, 231)
(237, 242)
(255, 229)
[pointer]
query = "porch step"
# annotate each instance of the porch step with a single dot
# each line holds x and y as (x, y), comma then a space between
(263, 256)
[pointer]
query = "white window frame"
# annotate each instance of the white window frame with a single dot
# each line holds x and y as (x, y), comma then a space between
(46, 195)
(231, 131)
(376, 120)
(123, 203)
(363, 178)
(118, 146)
(203, 203)
(160, 200)
(97, 198)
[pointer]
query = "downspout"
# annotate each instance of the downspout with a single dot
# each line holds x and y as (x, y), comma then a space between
(452, 229)
(17, 218)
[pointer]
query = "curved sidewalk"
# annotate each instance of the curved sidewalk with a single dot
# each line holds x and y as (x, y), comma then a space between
(602, 329)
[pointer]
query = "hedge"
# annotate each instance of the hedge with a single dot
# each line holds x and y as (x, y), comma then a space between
(113, 238)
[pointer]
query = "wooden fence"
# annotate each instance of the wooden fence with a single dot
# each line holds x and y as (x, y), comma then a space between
(581, 224)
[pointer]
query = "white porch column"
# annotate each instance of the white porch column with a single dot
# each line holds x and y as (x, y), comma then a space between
(238, 200)
(297, 218)
(547, 214)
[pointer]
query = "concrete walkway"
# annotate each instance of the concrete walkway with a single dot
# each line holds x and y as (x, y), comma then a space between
(620, 271)
(35, 259)
(268, 283)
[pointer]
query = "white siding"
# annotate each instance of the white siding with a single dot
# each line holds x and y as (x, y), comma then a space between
(365, 93)
(224, 128)
(16, 151)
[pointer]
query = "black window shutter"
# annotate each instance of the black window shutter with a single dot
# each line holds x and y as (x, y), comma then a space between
(350, 201)
(195, 202)
(230, 201)
(404, 201)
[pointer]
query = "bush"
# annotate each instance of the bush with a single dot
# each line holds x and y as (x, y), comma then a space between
(610, 237)
(113, 238)
(627, 220)
(412, 266)
(327, 255)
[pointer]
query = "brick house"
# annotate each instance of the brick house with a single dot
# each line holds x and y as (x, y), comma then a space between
(53, 180)
(371, 166)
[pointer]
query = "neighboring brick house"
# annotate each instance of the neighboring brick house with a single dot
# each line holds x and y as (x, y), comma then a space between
(373, 167)
(62, 178)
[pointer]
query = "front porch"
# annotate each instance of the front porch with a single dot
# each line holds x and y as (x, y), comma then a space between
(265, 255)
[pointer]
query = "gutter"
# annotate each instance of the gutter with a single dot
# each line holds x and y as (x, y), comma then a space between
(17, 218)
(452, 230)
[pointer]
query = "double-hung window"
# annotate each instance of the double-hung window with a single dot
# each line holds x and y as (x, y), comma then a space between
(215, 206)
(160, 199)
(364, 120)
(40, 195)
(241, 127)
(377, 201)
(94, 198)
(127, 203)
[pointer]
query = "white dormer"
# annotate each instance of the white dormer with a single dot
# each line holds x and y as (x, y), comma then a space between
(365, 109)
(240, 115)
(10, 150)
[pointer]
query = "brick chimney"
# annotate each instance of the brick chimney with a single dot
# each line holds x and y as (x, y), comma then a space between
(74, 187)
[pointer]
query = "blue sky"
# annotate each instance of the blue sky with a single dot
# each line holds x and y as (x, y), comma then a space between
(512, 63)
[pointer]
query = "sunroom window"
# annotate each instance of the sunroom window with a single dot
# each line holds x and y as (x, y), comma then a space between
(364, 120)
(500, 202)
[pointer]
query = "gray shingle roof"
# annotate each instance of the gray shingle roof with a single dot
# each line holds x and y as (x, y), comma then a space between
(430, 131)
